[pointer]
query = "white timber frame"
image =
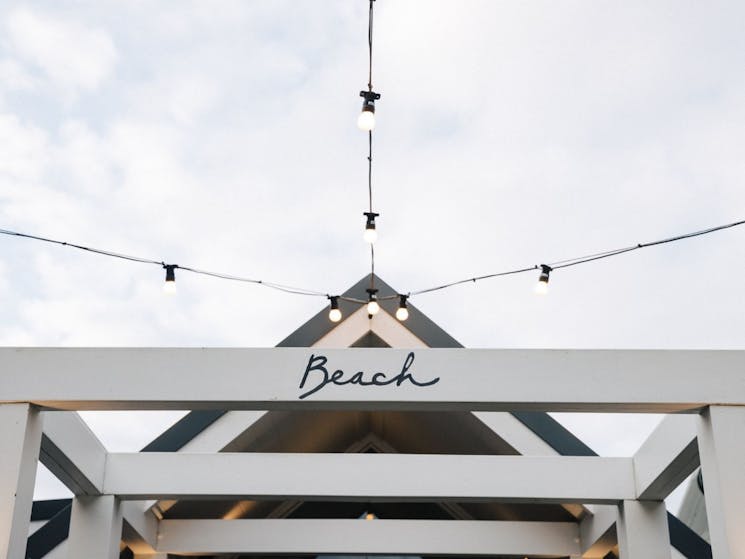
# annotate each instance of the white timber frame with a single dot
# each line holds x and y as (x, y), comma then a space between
(703, 390)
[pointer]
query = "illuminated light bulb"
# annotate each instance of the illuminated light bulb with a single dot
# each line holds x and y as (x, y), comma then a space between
(334, 312)
(402, 312)
(169, 287)
(373, 307)
(372, 302)
(371, 234)
(542, 286)
(366, 120)
(369, 516)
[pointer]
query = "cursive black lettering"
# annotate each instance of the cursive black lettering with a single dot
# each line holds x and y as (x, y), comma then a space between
(317, 363)
(313, 366)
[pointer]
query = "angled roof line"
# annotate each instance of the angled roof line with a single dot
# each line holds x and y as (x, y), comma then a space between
(418, 323)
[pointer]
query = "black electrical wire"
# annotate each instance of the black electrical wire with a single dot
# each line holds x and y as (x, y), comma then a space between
(308, 292)
(88, 249)
(593, 257)
(369, 170)
(369, 137)
(583, 259)
(370, 46)
(160, 263)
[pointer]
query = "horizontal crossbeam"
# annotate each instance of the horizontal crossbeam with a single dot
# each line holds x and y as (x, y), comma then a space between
(383, 537)
(426, 379)
(369, 477)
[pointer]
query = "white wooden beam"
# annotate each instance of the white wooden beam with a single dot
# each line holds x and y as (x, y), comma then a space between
(515, 433)
(722, 450)
(598, 532)
(140, 531)
(20, 439)
(458, 379)
(71, 451)
(384, 537)
(373, 477)
(642, 530)
(95, 527)
(667, 457)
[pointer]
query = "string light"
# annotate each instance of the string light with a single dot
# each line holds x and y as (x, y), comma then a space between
(371, 234)
(541, 288)
(366, 120)
(372, 302)
(169, 287)
(334, 311)
(170, 283)
(402, 312)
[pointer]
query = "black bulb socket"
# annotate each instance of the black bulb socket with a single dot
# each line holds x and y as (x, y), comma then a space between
(545, 272)
(370, 219)
(170, 271)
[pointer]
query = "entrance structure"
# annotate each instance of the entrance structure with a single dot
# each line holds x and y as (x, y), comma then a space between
(447, 451)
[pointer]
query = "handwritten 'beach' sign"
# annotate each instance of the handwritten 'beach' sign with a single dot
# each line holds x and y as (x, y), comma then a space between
(317, 374)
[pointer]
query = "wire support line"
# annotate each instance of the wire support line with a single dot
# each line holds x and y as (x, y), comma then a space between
(308, 292)
(161, 263)
(471, 280)
(370, 46)
(81, 247)
(369, 170)
(583, 259)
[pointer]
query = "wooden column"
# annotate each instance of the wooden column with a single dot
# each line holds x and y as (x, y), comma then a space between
(95, 527)
(642, 530)
(20, 440)
(722, 451)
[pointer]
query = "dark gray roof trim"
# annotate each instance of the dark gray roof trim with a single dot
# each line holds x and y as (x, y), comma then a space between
(49, 536)
(418, 323)
(184, 430)
(44, 510)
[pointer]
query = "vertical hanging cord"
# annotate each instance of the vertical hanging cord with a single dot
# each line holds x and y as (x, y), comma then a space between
(369, 45)
(369, 169)
(369, 192)
(369, 137)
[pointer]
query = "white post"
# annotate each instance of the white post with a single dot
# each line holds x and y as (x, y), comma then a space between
(722, 451)
(20, 440)
(95, 527)
(642, 530)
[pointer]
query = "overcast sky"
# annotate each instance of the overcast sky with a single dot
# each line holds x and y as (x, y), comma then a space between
(222, 135)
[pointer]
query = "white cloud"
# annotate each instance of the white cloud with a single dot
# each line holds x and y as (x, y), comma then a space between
(71, 54)
(22, 153)
(14, 77)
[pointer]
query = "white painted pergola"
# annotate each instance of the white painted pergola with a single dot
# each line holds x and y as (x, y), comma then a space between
(616, 503)
(708, 385)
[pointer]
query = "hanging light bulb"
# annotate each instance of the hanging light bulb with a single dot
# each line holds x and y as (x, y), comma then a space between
(402, 312)
(334, 312)
(542, 286)
(371, 234)
(372, 302)
(169, 287)
(366, 120)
